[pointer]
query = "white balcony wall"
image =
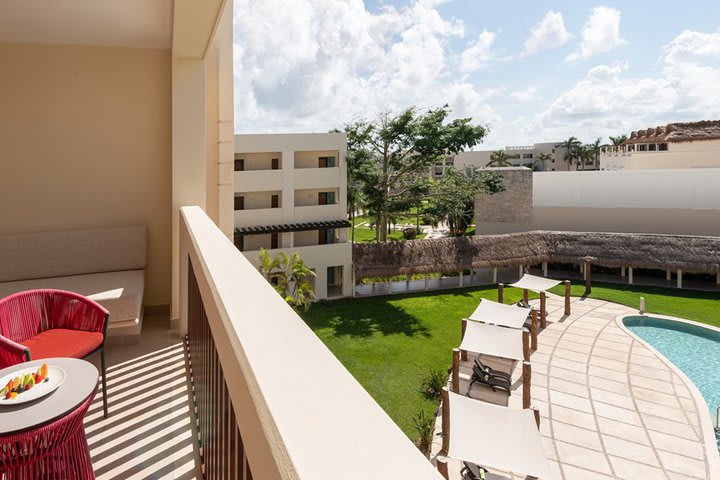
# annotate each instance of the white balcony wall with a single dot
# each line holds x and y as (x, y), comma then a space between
(258, 181)
(292, 426)
(306, 198)
(259, 161)
(261, 200)
(318, 178)
(311, 159)
(259, 217)
(319, 213)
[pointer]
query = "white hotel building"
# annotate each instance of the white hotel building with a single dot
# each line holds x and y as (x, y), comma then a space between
(291, 196)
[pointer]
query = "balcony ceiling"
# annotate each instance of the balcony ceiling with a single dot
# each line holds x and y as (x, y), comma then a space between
(117, 23)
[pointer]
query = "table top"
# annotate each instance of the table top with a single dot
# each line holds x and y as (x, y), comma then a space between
(81, 379)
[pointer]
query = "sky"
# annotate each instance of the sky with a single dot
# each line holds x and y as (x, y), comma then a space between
(531, 71)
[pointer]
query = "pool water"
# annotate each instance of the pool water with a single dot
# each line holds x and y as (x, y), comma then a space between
(694, 350)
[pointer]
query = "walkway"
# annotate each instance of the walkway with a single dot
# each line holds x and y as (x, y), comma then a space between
(610, 407)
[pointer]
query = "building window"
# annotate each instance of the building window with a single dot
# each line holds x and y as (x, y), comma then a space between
(274, 241)
(438, 171)
(642, 148)
(275, 201)
(652, 147)
(326, 236)
(663, 147)
(239, 164)
(326, 198)
(527, 155)
(239, 202)
(326, 162)
(275, 164)
(240, 241)
(449, 161)
(514, 157)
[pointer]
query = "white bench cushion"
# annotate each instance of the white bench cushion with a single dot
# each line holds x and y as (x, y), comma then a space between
(120, 292)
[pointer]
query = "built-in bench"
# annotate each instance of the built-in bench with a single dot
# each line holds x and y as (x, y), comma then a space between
(106, 265)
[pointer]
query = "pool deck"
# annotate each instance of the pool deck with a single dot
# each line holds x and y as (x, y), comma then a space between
(610, 406)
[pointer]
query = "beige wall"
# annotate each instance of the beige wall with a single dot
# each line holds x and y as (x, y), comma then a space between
(85, 141)
(309, 197)
(259, 161)
(310, 159)
(256, 200)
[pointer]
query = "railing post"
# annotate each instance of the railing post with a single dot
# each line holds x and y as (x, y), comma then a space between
(501, 289)
(533, 330)
(445, 420)
(526, 344)
(527, 384)
(526, 297)
(543, 310)
(443, 468)
(463, 327)
(567, 297)
(456, 370)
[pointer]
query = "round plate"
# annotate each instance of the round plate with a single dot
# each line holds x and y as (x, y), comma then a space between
(56, 376)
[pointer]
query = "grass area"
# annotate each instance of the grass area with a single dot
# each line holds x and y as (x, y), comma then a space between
(390, 343)
(366, 234)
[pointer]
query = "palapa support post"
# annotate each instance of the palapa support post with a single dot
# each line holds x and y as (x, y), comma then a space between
(630, 275)
(426, 282)
(668, 274)
(461, 279)
(536, 412)
(622, 271)
(567, 297)
(494, 275)
(679, 278)
(442, 467)
(545, 269)
(456, 371)
(543, 310)
(588, 281)
(521, 271)
(533, 330)
(445, 421)
(526, 344)
(526, 297)
(463, 327)
(527, 384)
(501, 291)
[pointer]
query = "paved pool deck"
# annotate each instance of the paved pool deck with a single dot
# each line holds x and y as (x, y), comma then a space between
(611, 408)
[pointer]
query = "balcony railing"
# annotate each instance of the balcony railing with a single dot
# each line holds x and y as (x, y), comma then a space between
(270, 396)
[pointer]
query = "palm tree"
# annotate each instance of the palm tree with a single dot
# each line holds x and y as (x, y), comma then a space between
(292, 278)
(499, 158)
(595, 148)
(571, 146)
(584, 154)
(617, 141)
(541, 159)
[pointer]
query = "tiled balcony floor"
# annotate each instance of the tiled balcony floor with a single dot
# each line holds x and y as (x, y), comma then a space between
(150, 432)
(610, 407)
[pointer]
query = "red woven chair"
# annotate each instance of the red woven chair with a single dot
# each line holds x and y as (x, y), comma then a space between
(52, 451)
(38, 324)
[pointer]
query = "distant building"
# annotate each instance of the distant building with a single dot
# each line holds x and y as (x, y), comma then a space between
(519, 156)
(675, 145)
(290, 195)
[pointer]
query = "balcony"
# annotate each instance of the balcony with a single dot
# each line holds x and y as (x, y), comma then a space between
(258, 180)
(317, 178)
(319, 213)
(258, 216)
(328, 254)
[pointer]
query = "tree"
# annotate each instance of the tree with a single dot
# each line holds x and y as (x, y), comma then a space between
(452, 198)
(617, 141)
(290, 277)
(541, 159)
(571, 146)
(595, 148)
(584, 155)
(499, 158)
(394, 152)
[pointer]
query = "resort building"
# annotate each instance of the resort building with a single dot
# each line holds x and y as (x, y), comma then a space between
(675, 145)
(291, 196)
(518, 156)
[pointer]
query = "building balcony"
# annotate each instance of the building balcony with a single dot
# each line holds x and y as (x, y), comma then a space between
(319, 213)
(258, 217)
(317, 178)
(258, 180)
(331, 253)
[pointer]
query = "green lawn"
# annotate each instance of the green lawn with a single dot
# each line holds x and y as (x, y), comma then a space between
(389, 343)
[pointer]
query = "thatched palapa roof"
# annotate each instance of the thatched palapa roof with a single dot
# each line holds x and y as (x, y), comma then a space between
(691, 254)
(677, 132)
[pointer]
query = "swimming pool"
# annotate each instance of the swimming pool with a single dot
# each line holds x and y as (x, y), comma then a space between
(694, 350)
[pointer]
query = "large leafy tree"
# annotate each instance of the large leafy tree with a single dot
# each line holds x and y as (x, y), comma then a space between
(499, 158)
(452, 198)
(394, 151)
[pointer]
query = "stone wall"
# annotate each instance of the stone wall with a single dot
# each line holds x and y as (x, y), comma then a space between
(514, 205)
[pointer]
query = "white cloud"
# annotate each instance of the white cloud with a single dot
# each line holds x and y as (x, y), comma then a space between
(524, 95)
(478, 53)
(608, 100)
(549, 33)
(312, 65)
(600, 34)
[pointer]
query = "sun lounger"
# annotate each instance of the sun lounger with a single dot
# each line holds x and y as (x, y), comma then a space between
(479, 376)
(470, 471)
(493, 372)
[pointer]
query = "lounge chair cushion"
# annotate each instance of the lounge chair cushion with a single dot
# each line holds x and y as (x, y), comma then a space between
(120, 292)
(62, 342)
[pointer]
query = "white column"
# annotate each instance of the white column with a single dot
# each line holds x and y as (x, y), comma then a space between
(287, 198)
(717, 277)
(584, 272)
(630, 275)
(545, 269)
(622, 271)
(354, 287)
(520, 271)
(426, 281)
(321, 282)
(679, 278)
(494, 275)
(461, 279)
(668, 274)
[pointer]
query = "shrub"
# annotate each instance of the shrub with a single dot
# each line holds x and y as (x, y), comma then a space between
(425, 426)
(433, 384)
(409, 233)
